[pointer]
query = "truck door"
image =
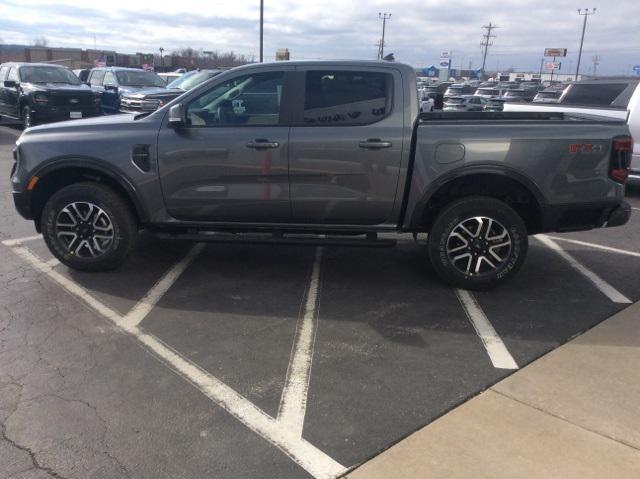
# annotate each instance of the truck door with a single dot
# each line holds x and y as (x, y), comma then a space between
(229, 163)
(346, 145)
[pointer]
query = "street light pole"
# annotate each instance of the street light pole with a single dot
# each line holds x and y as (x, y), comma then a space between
(161, 57)
(384, 17)
(261, 30)
(584, 27)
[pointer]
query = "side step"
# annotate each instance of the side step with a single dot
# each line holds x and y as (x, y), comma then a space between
(371, 239)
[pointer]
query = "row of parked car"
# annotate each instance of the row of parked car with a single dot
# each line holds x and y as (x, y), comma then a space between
(40, 93)
(485, 96)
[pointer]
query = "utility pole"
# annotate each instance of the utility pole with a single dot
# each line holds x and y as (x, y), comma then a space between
(161, 57)
(486, 43)
(585, 14)
(596, 62)
(541, 67)
(261, 30)
(384, 17)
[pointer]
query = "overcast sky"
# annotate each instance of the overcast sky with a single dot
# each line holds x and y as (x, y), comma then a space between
(338, 29)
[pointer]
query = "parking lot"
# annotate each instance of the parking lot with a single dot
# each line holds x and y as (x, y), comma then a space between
(267, 361)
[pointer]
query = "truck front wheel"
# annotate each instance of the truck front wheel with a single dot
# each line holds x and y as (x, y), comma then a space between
(477, 243)
(89, 227)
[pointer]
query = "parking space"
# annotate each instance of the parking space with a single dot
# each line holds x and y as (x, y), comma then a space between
(269, 361)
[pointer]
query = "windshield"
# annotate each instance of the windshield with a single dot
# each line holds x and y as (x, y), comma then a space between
(487, 91)
(139, 78)
(33, 74)
(514, 93)
(548, 94)
(191, 79)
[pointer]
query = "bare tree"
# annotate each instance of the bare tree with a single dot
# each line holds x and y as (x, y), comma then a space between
(40, 42)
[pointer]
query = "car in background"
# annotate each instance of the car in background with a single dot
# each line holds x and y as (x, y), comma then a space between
(112, 83)
(168, 77)
(82, 74)
(494, 104)
(458, 89)
(41, 93)
(487, 92)
(464, 103)
(518, 95)
(548, 95)
(151, 100)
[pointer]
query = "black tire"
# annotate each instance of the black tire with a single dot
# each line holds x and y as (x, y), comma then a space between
(447, 239)
(117, 227)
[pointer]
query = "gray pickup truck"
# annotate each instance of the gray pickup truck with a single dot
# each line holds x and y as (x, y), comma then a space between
(321, 152)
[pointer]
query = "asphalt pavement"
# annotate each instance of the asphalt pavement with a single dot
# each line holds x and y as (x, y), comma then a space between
(267, 361)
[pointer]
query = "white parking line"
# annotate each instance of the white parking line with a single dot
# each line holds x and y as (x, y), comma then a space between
(606, 289)
(309, 457)
(498, 352)
(293, 402)
(19, 241)
(147, 303)
(596, 246)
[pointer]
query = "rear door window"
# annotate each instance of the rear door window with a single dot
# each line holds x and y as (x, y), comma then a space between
(602, 94)
(346, 97)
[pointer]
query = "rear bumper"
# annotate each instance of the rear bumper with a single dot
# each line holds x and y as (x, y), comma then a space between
(584, 217)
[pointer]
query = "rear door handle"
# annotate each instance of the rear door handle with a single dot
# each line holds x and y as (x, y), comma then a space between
(262, 144)
(375, 144)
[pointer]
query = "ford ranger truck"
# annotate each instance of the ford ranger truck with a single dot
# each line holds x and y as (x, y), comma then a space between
(321, 152)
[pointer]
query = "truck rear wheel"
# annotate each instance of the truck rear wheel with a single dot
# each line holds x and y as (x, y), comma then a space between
(89, 227)
(477, 243)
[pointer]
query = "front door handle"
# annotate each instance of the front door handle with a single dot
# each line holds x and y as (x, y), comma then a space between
(262, 144)
(374, 144)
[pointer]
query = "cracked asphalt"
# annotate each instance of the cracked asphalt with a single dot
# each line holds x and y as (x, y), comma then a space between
(394, 350)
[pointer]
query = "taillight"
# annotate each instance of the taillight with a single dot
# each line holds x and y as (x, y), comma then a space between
(621, 158)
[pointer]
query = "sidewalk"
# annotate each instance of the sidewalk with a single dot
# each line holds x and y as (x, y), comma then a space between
(574, 413)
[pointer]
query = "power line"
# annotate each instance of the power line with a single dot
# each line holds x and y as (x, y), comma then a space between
(586, 14)
(486, 43)
(384, 17)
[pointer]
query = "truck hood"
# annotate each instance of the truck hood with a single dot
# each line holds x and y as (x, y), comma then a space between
(120, 121)
(154, 93)
(131, 90)
(56, 87)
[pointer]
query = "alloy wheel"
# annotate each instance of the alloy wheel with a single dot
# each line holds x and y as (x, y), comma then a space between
(478, 245)
(84, 229)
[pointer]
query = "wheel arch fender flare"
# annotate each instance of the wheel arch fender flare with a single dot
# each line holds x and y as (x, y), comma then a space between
(468, 171)
(89, 164)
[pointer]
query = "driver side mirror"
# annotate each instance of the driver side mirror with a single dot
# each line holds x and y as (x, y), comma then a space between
(10, 83)
(177, 116)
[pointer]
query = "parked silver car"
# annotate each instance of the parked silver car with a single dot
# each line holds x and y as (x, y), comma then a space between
(464, 103)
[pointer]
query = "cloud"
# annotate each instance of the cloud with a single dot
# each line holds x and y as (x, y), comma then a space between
(416, 33)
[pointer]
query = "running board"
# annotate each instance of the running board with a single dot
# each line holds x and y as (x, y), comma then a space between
(371, 239)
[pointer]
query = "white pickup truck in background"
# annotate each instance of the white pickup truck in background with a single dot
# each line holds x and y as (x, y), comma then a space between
(618, 99)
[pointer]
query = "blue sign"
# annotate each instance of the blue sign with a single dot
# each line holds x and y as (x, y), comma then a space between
(636, 69)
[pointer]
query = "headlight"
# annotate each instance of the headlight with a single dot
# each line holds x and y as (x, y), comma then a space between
(40, 98)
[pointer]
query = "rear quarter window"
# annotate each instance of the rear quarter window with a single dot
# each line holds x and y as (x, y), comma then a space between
(346, 97)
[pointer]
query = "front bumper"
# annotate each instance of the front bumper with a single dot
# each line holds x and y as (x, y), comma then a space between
(22, 201)
(53, 114)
